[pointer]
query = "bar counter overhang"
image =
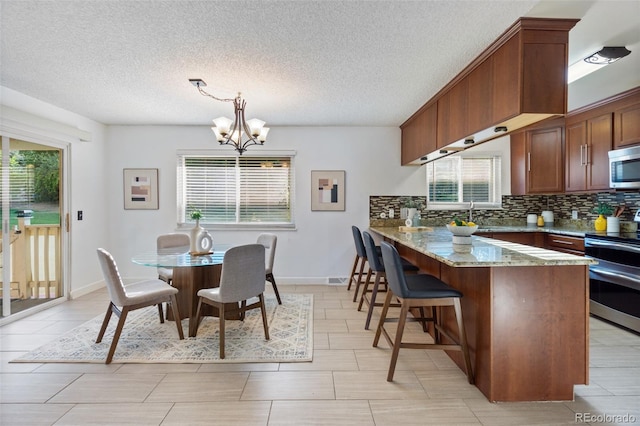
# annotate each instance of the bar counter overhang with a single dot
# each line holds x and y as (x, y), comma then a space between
(526, 311)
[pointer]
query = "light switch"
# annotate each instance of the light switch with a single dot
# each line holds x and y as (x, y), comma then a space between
(79, 214)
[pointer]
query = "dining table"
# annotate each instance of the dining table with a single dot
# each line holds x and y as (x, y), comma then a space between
(191, 272)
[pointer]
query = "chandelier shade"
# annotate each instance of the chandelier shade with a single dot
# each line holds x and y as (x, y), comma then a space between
(239, 132)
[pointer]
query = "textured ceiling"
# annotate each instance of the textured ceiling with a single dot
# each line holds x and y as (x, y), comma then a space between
(309, 63)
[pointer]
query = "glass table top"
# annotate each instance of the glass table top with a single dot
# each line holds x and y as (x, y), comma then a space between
(176, 260)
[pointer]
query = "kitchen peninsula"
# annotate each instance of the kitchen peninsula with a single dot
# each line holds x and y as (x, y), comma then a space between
(526, 311)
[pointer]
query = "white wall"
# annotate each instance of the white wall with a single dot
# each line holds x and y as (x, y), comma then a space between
(320, 247)
(86, 185)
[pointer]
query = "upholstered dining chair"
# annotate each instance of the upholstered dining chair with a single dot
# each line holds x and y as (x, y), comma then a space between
(416, 291)
(131, 297)
(269, 242)
(241, 279)
(174, 243)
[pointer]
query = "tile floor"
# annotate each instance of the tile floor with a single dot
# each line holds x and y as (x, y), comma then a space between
(344, 385)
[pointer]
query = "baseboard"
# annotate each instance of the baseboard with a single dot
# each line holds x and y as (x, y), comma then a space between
(83, 291)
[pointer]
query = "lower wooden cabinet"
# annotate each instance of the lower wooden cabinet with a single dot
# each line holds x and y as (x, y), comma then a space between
(565, 243)
(535, 239)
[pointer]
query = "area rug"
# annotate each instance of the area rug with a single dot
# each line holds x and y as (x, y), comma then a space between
(145, 340)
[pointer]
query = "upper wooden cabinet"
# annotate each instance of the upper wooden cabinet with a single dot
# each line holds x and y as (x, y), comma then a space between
(419, 134)
(545, 161)
(588, 143)
(627, 125)
(519, 80)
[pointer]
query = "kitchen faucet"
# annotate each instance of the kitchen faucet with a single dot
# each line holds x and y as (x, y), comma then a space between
(471, 211)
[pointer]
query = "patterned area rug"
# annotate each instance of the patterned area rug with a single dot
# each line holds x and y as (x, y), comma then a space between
(145, 340)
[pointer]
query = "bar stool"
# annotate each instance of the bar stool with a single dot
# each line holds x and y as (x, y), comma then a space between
(359, 262)
(376, 266)
(420, 290)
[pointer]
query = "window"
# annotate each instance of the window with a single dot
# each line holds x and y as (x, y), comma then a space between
(454, 180)
(242, 190)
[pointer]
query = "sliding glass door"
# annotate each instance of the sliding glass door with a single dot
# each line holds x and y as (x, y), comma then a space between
(32, 220)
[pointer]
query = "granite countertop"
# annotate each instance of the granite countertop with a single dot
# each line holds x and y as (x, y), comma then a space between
(437, 243)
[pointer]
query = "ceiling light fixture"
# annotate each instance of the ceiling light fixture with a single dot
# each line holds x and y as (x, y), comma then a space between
(594, 62)
(231, 132)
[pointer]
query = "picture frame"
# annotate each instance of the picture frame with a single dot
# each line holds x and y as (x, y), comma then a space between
(328, 190)
(140, 189)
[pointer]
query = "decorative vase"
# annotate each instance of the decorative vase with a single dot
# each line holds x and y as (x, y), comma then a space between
(600, 223)
(197, 229)
(411, 212)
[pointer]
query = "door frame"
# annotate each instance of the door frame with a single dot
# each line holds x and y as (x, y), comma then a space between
(42, 138)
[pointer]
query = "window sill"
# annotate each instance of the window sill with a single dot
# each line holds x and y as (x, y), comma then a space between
(241, 226)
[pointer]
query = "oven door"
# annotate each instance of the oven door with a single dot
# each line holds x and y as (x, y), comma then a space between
(615, 282)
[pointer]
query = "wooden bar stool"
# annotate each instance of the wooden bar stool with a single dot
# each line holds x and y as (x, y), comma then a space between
(376, 266)
(420, 290)
(359, 262)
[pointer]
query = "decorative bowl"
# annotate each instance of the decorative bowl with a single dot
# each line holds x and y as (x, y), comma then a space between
(463, 231)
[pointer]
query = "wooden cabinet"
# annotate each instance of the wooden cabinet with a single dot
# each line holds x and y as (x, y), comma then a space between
(419, 134)
(627, 125)
(452, 114)
(544, 149)
(565, 244)
(587, 145)
(504, 86)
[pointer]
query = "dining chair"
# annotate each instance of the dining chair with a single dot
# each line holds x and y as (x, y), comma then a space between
(174, 243)
(416, 291)
(242, 278)
(269, 242)
(131, 297)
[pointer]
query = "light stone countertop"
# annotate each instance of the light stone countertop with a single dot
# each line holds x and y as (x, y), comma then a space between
(483, 252)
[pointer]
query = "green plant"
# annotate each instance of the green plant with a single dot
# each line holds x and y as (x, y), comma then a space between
(196, 214)
(410, 203)
(603, 209)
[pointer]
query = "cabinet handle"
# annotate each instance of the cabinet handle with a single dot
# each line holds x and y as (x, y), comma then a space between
(586, 155)
(570, 243)
(528, 161)
(581, 155)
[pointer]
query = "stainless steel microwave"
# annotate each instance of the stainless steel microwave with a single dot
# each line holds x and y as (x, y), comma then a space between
(624, 168)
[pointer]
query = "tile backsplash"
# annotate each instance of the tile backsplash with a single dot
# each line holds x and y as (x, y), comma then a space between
(514, 208)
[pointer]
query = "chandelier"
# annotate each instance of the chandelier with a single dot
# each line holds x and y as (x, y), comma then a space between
(232, 132)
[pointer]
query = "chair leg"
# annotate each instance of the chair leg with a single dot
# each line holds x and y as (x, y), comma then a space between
(404, 311)
(105, 323)
(264, 317)
(160, 313)
(372, 303)
(176, 316)
(383, 317)
(463, 339)
(353, 271)
(116, 335)
(193, 328)
(272, 280)
(221, 310)
(365, 288)
(359, 280)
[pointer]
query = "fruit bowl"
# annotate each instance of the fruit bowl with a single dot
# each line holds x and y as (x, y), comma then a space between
(463, 230)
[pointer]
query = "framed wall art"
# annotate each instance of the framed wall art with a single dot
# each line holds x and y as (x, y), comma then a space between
(141, 189)
(327, 190)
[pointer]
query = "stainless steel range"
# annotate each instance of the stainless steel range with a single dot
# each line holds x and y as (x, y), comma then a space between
(615, 280)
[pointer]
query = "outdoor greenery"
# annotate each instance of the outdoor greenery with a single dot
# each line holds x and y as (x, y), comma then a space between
(46, 167)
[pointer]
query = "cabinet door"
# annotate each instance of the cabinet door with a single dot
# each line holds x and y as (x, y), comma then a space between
(600, 141)
(518, 163)
(480, 97)
(545, 161)
(452, 114)
(575, 166)
(419, 135)
(627, 126)
(507, 77)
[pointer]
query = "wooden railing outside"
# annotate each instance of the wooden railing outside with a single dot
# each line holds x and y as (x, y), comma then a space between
(35, 261)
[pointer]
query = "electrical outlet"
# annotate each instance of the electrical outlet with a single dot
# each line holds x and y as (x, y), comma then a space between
(574, 214)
